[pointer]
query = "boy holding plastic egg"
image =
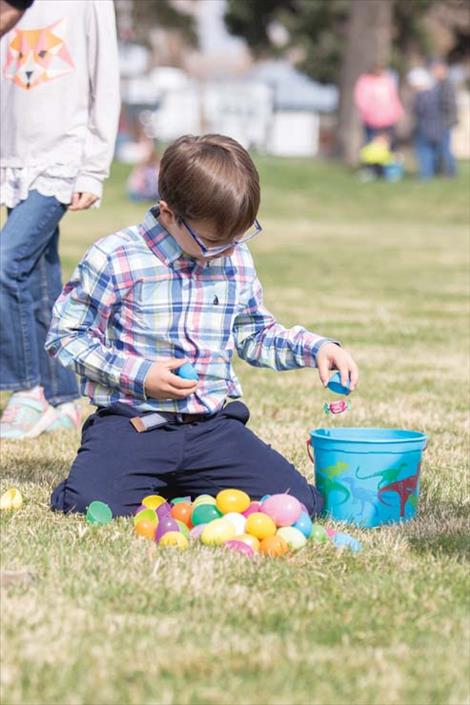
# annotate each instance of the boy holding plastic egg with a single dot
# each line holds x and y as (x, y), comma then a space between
(179, 288)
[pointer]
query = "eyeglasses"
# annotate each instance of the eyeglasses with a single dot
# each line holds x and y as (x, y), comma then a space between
(214, 251)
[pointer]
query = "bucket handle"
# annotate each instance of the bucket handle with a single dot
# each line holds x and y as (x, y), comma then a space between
(309, 450)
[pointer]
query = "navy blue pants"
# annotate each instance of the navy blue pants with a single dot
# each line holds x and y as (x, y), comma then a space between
(119, 466)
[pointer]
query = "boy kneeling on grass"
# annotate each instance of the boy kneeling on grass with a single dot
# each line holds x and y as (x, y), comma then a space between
(180, 287)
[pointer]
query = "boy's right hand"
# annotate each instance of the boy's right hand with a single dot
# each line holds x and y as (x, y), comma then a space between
(161, 383)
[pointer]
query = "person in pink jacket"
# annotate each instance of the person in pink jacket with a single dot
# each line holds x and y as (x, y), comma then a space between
(377, 100)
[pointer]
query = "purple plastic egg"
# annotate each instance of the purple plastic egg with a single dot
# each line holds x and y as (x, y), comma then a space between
(140, 508)
(240, 547)
(283, 509)
(254, 507)
(164, 526)
(164, 510)
(196, 531)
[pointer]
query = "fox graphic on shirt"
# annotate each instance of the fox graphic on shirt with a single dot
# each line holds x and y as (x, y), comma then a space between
(36, 56)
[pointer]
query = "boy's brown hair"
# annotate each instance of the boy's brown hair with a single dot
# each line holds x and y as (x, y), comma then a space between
(211, 177)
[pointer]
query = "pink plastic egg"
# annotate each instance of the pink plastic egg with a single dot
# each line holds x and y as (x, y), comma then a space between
(254, 507)
(240, 547)
(283, 509)
(196, 531)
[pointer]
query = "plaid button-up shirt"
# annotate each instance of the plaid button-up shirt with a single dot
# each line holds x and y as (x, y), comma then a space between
(136, 298)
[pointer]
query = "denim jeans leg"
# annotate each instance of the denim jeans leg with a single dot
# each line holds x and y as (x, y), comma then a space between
(448, 160)
(60, 384)
(23, 240)
(425, 153)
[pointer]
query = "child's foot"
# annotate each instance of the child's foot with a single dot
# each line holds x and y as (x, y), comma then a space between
(69, 416)
(27, 415)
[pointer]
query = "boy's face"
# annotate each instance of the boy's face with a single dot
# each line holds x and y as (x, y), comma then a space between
(206, 232)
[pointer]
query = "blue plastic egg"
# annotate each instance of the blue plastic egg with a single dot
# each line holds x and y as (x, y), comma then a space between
(187, 371)
(304, 524)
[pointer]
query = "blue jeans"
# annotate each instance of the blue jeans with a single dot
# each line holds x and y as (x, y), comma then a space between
(30, 282)
(427, 153)
(449, 166)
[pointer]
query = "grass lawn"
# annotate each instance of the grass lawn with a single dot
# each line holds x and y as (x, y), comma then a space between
(109, 618)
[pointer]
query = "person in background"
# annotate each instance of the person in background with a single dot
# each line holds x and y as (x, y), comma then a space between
(429, 126)
(378, 160)
(59, 113)
(376, 98)
(11, 11)
(448, 108)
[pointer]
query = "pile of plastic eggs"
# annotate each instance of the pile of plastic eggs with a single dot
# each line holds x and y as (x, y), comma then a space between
(273, 526)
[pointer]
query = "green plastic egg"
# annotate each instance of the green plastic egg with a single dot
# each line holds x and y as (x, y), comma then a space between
(294, 538)
(204, 513)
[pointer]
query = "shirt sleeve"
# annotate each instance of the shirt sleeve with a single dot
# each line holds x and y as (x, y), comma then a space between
(77, 335)
(103, 69)
(263, 342)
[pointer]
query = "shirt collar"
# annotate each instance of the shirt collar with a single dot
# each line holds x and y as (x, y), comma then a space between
(160, 241)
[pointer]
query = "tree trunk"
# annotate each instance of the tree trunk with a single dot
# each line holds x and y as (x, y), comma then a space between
(368, 41)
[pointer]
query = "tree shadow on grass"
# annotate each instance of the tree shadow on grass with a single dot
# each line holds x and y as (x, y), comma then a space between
(442, 531)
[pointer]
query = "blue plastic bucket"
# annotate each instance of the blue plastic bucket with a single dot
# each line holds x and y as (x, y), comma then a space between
(368, 476)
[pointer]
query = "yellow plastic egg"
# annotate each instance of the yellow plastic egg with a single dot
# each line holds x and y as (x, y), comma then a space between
(232, 501)
(153, 501)
(11, 499)
(217, 532)
(203, 499)
(175, 540)
(260, 525)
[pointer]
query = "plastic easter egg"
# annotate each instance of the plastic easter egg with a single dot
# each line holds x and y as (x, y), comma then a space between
(254, 507)
(163, 510)
(11, 499)
(304, 508)
(229, 501)
(283, 509)
(335, 385)
(240, 547)
(260, 525)
(164, 526)
(204, 513)
(250, 540)
(174, 539)
(177, 500)
(183, 528)
(343, 540)
(293, 537)
(196, 531)
(146, 528)
(153, 501)
(186, 371)
(264, 498)
(319, 533)
(238, 521)
(304, 524)
(218, 532)
(146, 515)
(98, 513)
(203, 499)
(273, 546)
(182, 512)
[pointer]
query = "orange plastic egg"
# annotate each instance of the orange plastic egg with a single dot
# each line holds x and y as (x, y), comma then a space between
(273, 546)
(260, 525)
(145, 528)
(182, 512)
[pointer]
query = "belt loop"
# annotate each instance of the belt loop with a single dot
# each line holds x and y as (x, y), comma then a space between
(179, 418)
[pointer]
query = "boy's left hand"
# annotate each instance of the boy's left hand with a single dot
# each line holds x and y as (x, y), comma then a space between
(332, 357)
